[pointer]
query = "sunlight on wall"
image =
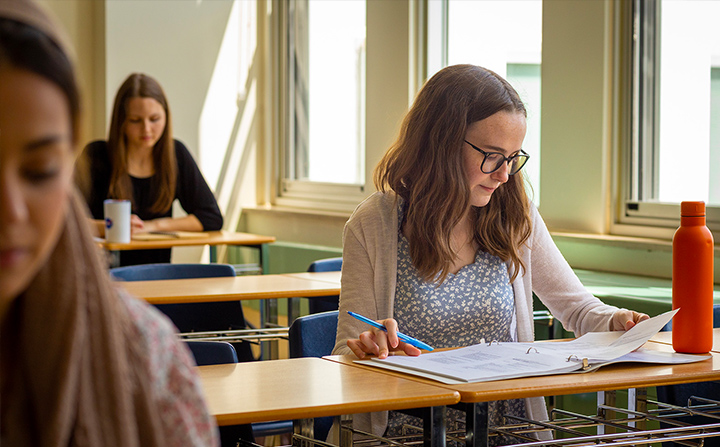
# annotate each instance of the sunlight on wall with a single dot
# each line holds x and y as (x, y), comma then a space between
(219, 108)
(226, 124)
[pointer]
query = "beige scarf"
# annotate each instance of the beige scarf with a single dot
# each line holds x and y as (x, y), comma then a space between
(73, 375)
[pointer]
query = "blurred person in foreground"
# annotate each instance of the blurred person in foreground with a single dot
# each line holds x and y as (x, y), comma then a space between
(81, 362)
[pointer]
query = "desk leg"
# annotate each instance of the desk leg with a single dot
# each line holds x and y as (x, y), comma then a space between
(293, 309)
(264, 259)
(606, 398)
(345, 429)
(213, 254)
(269, 319)
(477, 422)
(304, 427)
(637, 401)
(434, 427)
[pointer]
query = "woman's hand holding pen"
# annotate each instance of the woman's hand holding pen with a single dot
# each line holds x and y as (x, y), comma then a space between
(381, 343)
(624, 319)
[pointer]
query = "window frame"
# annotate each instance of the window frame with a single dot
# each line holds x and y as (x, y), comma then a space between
(637, 117)
(395, 38)
(287, 191)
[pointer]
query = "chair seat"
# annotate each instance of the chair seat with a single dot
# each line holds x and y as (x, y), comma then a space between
(271, 428)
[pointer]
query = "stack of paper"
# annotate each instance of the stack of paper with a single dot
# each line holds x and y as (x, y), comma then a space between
(496, 361)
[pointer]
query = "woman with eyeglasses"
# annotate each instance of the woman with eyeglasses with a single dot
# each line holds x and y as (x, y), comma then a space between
(450, 250)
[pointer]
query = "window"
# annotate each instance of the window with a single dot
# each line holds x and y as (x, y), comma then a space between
(331, 133)
(324, 119)
(672, 148)
(503, 36)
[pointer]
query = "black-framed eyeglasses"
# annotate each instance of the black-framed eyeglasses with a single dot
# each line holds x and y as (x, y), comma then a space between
(494, 160)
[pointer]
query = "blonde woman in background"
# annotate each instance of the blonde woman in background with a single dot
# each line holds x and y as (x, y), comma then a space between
(143, 163)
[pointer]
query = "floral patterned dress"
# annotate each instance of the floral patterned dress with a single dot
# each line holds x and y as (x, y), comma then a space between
(472, 305)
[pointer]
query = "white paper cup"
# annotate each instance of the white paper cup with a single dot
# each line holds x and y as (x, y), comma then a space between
(117, 220)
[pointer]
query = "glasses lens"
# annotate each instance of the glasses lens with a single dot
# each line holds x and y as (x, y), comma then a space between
(492, 162)
(517, 163)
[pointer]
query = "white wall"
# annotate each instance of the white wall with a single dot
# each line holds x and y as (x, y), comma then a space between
(575, 140)
(192, 49)
(176, 42)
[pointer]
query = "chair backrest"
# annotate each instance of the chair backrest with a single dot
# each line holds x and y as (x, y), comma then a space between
(194, 317)
(313, 335)
(146, 272)
(326, 265)
(716, 319)
(325, 303)
(212, 352)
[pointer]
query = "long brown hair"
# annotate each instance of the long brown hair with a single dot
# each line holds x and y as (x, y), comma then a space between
(425, 168)
(89, 386)
(30, 48)
(139, 85)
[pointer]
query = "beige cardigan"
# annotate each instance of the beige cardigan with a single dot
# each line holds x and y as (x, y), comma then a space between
(369, 274)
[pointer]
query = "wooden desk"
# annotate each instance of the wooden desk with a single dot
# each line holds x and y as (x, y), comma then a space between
(310, 387)
(332, 277)
(475, 396)
(666, 338)
(255, 287)
(238, 288)
(214, 239)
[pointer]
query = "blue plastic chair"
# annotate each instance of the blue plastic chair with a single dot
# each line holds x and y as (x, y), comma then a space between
(325, 303)
(679, 394)
(212, 352)
(194, 317)
(314, 336)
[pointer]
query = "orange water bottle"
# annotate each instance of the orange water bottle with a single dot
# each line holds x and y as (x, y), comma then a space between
(692, 281)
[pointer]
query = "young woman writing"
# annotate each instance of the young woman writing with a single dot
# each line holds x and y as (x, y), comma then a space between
(451, 250)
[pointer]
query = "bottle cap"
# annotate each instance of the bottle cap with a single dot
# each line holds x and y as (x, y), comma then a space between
(692, 209)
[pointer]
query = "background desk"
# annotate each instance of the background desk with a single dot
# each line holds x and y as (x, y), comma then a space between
(307, 388)
(255, 287)
(238, 288)
(214, 239)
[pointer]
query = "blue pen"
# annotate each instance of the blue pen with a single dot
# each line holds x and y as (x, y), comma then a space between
(406, 338)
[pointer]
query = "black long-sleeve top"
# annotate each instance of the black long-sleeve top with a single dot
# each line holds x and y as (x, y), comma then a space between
(191, 190)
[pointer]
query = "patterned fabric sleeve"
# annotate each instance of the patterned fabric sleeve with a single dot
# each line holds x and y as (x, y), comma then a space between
(176, 387)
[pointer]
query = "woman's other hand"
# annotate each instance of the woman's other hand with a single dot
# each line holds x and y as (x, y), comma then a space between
(137, 225)
(624, 319)
(381, 343)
